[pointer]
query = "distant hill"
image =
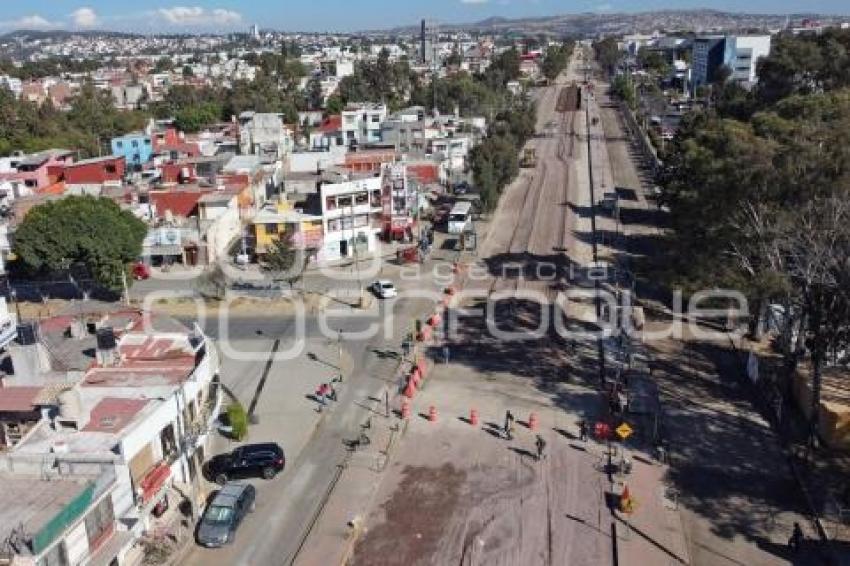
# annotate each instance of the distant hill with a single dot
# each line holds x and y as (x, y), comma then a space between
(59, 34)
(596, 23)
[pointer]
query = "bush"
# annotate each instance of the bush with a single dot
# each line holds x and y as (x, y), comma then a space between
(238, 420)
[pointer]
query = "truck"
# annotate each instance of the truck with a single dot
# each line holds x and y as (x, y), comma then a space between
(529, 158)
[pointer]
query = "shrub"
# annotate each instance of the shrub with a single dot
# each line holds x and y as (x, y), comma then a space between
(238, 420)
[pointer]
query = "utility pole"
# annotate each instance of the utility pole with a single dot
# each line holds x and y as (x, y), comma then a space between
(356, 255)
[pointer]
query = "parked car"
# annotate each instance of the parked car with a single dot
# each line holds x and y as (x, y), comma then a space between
(384, 289)
(251, 460)
(224, 514)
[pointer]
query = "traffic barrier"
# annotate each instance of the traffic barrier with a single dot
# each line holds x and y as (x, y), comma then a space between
(532, 421)
(432, 414)
(473, 417)
(405, 409)
(410, 390)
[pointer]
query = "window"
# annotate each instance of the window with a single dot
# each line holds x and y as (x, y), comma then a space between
(361, 198)
(147, 142)
(110, 168)
(119, 145)
(135, 143)
(344, 201)
(271, 228)
(100, 522)
(376, 118)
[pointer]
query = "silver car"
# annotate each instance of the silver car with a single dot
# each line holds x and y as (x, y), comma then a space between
(225, 513)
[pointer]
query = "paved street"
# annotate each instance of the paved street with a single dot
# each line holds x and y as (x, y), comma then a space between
(314, 442)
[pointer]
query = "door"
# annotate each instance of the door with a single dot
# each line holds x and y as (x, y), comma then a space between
(343, 248)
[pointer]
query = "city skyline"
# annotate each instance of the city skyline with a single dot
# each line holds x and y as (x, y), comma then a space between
(336, 15)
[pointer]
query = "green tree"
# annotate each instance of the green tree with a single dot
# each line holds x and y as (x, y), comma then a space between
(163, 65)
(284, 262)
(608, 54)
(94, 232)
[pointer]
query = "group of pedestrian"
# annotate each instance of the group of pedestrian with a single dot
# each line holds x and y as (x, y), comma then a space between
(324, 393)
(509, 427)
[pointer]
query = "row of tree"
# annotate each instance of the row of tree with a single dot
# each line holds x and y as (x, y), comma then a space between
(89, 124)
(759, 193)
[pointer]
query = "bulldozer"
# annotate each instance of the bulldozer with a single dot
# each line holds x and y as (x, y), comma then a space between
(529, 158)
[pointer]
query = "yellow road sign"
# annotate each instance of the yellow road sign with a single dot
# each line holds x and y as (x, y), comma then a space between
(624, 431)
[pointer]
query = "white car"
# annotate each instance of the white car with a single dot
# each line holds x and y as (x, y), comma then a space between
(384, 289)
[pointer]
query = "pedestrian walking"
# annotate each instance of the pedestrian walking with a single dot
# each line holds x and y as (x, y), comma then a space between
(797, 538)
(582, 430)
(321, 393)
(541, 447)
(446, 354)
(509, 420)
(332, 392)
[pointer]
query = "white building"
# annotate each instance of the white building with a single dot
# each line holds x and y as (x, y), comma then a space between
(361, 123)
(138, 420)
(743, 53)
(351, 216)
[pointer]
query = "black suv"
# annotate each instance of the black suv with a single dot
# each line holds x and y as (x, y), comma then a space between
(251, 460)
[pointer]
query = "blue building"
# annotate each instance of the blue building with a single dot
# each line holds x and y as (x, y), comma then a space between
(136, 148)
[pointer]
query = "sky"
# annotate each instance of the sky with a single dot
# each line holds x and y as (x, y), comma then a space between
(337, 15)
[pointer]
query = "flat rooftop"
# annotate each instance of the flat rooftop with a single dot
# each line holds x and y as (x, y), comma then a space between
(33, 502)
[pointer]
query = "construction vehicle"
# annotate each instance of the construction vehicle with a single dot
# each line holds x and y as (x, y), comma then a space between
(529, 158)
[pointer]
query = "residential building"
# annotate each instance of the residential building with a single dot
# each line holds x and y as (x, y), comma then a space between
(116, 398)
(26, 174)
(351, 216)
(135, 147)
(62, 515)
(283, 220)
(265, 136)
(398, 201)
(361, 123)
(90, 175)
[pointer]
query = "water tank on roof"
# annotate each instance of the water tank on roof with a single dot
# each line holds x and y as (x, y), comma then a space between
(27, 333)
(106, 338)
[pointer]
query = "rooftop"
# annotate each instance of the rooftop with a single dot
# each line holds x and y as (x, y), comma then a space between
(18, 399)
(32, 503)
(93, 160)
(242, 164)
(112, 414)
(267, 216)
(43, 156)
(146, 360)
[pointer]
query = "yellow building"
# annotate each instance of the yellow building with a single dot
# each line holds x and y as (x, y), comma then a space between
(281, 219)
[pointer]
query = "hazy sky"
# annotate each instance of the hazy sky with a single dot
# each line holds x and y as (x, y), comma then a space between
(342, 15)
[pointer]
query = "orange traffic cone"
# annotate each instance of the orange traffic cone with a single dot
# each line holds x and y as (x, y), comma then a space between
(532, 421)
(410, 390)
(473, 417)
(432, 414)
